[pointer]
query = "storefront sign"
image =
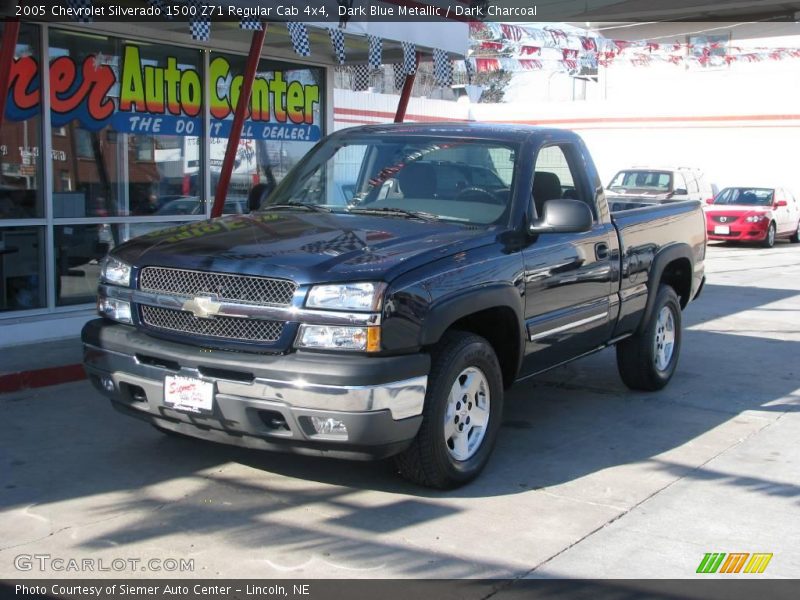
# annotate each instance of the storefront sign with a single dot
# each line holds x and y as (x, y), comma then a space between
(163, 100)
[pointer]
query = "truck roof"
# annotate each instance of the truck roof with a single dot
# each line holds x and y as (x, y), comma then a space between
(466, 129)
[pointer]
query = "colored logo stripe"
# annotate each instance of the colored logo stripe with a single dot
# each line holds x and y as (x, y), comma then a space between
(758, 563)
(711, 562)
(735, 561)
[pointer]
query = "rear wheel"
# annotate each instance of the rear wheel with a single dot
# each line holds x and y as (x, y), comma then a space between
(796, 236)
(647, 360)
(461, 417)
(769, 240)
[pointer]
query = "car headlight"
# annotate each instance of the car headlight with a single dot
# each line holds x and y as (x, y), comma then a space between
(346, 296)
(755, 218)
(116, 310)
(115, 272)
(334, 337)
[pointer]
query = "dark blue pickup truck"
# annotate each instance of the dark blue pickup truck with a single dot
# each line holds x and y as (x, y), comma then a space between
(380, 300)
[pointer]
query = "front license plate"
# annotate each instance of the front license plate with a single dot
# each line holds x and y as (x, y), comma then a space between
(722, 230)
(187, 394)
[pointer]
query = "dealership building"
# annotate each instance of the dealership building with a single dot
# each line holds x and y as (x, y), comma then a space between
(126, 133)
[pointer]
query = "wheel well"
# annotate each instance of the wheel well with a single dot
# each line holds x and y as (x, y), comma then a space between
(678, 275)
(500, 328)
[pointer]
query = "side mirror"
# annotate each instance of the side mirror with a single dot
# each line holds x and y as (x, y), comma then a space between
(710, 201)
(680, 192)
(258, 193)
(563, 216)
(780, 203)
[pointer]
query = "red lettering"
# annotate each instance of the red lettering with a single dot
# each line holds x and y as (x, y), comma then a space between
(23, 73)
(94, 88)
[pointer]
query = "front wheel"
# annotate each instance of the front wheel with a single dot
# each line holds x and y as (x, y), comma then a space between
(796, 236)
(647, 360)
(769, 240)
(461, 417)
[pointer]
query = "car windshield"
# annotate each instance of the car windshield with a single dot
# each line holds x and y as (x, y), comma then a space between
(465, 181)
(657, 181)
(745, 196)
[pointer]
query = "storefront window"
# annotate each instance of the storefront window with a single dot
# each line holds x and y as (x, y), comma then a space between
(283, 123)
(132, 144)
(22, 268)
(80, 250)
(20, 143)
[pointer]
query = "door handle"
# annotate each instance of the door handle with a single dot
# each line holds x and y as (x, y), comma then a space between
(601, 251)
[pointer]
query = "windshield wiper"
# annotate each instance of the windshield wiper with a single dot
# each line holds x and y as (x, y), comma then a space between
(400, 212)
(306, 205)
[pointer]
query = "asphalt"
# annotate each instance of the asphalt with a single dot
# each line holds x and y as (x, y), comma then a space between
(588, 478)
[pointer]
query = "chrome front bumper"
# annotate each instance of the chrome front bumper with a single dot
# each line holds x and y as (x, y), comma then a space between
(254, 392)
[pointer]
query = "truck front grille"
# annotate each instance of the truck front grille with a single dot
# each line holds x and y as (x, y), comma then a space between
(229, 328)
(244, 289)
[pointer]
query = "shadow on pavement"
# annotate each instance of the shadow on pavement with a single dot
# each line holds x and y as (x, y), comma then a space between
(564, 425)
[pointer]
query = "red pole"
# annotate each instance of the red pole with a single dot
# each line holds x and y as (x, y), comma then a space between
(238, 120)
(402, 105)
(9, 46)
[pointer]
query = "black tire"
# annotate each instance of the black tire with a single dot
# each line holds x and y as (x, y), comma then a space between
(636, 355)
(796, 236)
(769, 240)
(428, 461)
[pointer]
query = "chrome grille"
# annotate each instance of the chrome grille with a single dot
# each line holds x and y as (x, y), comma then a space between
(245, 289)
(230, 328)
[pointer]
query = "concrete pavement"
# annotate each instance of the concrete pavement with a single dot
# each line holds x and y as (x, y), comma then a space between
(588, 479)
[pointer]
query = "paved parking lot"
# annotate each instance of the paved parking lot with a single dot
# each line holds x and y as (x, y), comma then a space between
(588, 479)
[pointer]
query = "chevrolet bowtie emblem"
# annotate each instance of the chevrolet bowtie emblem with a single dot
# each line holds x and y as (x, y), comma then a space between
(202, 307)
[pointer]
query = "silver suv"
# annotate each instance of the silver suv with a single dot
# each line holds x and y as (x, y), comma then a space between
(660, 184)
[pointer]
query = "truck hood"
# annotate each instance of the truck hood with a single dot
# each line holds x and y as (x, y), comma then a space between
(304, 247)
(638, 193)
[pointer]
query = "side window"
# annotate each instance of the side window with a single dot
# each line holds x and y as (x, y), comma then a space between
(692, 185)
(680, 182)
(555, 176)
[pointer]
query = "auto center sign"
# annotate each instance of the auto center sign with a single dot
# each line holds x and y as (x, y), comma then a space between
(133, 95)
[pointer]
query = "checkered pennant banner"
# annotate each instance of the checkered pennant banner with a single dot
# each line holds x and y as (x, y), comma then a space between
(375, 51)
(199, 26)
(470, 69)
(337, 42)
(250, 24)
(299, 35)
(409, 58)
(442, 67)
(360, 78)
(162, 6)
(83, 10)
(399, 76)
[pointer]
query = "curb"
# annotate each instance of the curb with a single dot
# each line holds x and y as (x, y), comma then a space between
(37, 378)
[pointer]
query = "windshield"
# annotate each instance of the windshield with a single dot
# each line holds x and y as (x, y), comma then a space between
(466, 181)
(656, 181)
(745, 196)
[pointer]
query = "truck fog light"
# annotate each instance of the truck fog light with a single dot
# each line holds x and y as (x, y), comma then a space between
(329, 426)
(108, 384)
(117, 310)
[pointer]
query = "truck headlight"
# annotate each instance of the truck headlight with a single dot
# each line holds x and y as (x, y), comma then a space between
(115, 272)
(116, 310)
(334, 337)
(346, 296)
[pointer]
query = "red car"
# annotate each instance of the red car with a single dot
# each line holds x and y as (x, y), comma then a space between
(753, 214)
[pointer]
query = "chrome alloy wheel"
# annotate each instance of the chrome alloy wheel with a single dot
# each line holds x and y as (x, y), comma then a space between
(771, 235)
(466, 417)
(664, 342)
